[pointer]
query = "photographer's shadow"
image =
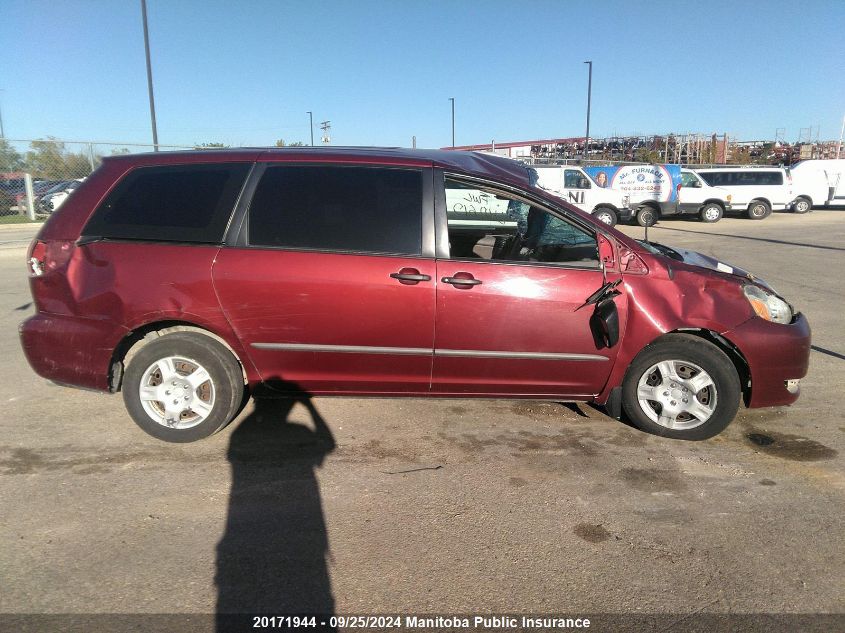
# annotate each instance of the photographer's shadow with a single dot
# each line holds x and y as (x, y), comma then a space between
(272, 558)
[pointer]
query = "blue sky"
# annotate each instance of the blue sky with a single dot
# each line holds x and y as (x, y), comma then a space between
(245, 72)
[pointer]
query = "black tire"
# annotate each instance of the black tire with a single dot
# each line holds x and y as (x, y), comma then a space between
(802, 205)
(711, 212)
(759, 210)
(606, 215)
(646, 216)
(225, 376)
(691, 349)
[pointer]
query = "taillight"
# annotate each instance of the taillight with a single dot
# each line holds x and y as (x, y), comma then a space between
(36, 258)
(48, 256)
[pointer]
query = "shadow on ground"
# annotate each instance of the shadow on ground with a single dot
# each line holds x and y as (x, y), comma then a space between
(272, 558)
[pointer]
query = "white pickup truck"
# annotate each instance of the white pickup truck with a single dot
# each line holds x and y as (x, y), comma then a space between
(577, 188)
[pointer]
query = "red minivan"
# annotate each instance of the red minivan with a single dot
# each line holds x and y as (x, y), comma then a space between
(188, 280)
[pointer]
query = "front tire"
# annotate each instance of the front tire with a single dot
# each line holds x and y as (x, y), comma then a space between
(681, 387)
(711, 212)
(801, 205)
(183, 387)
(646, 216)
(606, 215)
(759, 210)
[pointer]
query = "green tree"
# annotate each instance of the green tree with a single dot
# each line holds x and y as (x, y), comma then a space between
(280, 143)
(10, 159)
(50, 159)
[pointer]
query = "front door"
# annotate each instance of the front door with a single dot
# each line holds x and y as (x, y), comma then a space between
(331, 290)
(510, 315)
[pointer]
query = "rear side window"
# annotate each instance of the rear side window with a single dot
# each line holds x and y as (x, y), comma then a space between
(363, 209)
(173, 204)
(749, 178)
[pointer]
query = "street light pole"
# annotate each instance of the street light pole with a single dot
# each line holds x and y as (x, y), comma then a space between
(589, 99)
(452, 99)
(149, 75)
(2, 133)
(311, 123)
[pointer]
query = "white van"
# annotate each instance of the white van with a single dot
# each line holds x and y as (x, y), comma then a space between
(576, 187)
(756, 190)
(825, 177)
(696, 196)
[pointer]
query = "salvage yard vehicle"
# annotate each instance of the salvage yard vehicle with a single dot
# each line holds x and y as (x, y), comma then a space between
(188, 280)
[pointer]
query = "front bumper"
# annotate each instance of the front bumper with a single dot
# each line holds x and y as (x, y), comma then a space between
(778, 356)
(70, 350)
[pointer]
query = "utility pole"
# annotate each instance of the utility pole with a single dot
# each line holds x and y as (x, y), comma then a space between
(149, 75)
(589, 99)
(2, 133)
(452, 99)
(326, 126)
(311, 124)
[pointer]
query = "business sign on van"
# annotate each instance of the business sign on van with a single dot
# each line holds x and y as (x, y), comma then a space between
(641, 182)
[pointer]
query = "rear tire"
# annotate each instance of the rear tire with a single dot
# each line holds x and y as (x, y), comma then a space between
(681, 387)
(759, 210)
(606, 215)
(711, 212)
(183, 387)
(801, 205)
(646, 216)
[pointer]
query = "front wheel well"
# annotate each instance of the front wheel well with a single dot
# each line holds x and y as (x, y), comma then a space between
(730, 350)
(721, 203)
(137, 338)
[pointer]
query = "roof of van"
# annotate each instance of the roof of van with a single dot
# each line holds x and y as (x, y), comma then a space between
(473, 163)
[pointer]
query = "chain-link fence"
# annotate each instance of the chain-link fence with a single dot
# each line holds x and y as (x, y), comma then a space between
(36, 176)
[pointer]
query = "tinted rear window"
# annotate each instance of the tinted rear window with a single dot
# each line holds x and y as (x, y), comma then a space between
(365, 209)
(752, 177)
(174, 204)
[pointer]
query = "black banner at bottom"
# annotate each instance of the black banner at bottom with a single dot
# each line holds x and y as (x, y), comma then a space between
(595, 622)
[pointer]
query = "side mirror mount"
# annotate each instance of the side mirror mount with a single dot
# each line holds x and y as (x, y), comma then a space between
(607, 258)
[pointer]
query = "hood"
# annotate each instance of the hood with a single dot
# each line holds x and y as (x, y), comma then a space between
(694, 258)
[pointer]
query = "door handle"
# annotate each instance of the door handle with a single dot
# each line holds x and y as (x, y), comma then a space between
(461, 281)
(409, 276)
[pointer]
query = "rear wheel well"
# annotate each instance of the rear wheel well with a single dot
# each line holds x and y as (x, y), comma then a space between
(140, 336)
(730, 350)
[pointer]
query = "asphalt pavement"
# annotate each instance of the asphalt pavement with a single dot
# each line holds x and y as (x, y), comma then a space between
(437, 506)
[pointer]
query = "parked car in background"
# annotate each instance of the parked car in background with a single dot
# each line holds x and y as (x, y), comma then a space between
(187, 280)
(55, 199)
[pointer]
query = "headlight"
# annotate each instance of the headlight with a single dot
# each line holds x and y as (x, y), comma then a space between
(768, 306)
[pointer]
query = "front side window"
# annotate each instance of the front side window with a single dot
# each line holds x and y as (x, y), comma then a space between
(574, 179)
(180, 203)
(488, 225)
(358, 209)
